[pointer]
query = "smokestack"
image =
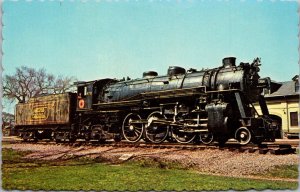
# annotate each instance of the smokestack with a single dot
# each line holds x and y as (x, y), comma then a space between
(229, 62)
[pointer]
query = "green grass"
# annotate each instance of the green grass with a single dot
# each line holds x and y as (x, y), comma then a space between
(285, 171)
(87, 174)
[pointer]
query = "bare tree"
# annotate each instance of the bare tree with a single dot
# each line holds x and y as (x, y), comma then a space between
(63, 84)
(29, 82)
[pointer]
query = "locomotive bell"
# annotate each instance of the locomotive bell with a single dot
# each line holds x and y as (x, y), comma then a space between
(229, 62)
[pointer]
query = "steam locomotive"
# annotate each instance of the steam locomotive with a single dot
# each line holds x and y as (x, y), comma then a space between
(183, 106)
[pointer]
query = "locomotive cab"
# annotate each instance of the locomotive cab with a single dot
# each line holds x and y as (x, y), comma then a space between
(90, 93)
(84, 95)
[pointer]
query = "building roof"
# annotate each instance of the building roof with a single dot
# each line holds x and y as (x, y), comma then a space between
(287, 88)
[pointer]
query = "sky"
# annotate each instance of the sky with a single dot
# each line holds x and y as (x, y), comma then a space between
(116, 39)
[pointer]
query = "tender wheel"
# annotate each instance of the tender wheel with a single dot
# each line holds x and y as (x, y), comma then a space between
(156, 133)
(22, 135)
(132, 128)
(24, 139)
(34, 136)
(243, 135)
(206, 138)
(55, 137)
(183, 137)
(39, 134)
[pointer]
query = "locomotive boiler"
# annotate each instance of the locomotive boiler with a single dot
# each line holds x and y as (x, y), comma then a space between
(184, 106)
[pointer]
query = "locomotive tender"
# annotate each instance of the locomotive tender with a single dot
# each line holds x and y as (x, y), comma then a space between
(207, 105)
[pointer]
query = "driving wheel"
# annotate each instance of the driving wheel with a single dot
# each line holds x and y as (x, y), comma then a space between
(156, 132)
(206, 138)
(132, 127)
(183, 137)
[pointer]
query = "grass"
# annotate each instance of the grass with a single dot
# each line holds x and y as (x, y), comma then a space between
(285, 171)
(87, 174)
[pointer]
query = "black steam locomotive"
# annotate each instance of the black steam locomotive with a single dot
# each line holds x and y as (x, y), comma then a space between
(184, 106)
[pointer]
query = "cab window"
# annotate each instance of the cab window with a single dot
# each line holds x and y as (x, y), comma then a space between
(82, 91)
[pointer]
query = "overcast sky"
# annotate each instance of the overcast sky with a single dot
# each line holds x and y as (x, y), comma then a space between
(125, 38)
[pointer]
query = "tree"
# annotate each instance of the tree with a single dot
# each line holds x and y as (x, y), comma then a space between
(63, 84)
(28, 82)
(7, 119)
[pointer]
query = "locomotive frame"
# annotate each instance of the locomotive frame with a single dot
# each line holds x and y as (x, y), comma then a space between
(206, 106)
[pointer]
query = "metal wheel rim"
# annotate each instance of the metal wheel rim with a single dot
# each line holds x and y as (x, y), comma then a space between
(243, 135)
(206, 140)
(138, 133)
(147, 129)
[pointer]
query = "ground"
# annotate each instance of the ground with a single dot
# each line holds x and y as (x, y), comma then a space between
(209, 161)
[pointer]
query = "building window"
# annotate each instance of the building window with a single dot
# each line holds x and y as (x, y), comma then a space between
(294, 118)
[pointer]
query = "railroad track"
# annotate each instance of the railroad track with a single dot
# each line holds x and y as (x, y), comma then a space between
(261, 149)
(268, 148)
